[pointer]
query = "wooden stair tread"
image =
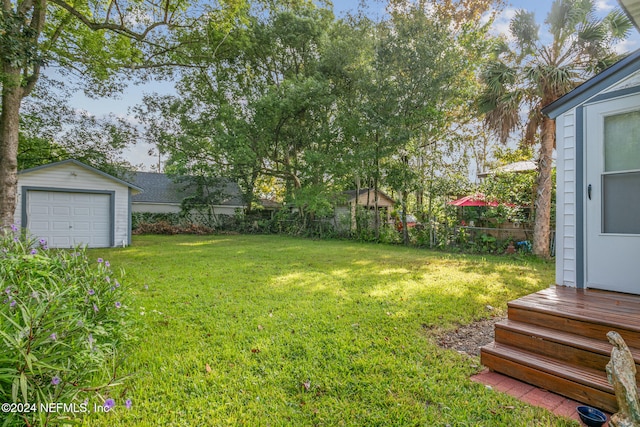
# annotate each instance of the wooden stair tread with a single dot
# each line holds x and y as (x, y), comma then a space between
(562, 337)
(585, 376)
(607, 304)
(585, 313)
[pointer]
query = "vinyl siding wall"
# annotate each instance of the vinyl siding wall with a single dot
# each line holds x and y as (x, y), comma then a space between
(566, 199)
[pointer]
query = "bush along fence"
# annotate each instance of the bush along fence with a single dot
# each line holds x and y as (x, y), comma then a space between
(63, 324)
(454, 238)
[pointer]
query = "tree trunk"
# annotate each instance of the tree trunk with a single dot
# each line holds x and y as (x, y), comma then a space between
(9, 129)
(542, 226)
(405, 231)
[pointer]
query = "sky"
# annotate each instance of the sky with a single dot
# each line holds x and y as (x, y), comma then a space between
(138, 154)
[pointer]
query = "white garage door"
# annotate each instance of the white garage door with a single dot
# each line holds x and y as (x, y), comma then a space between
(66, 220)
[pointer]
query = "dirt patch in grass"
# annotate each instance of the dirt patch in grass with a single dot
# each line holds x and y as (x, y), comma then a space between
(469, 338)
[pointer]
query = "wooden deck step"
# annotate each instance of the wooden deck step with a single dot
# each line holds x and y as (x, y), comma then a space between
(588, 313)
(563, 346)
(557, 339)
(579, 383)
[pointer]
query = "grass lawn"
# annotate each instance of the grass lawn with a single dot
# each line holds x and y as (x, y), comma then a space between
(270, 330)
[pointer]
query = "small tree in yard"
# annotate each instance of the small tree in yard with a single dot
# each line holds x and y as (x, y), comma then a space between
(533, 74)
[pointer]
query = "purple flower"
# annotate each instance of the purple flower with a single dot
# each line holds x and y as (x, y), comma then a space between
(107, 264)
(53, 336)
(34, 251)
(113, 288)
(12, 303)
(7, 291)
(55, 380)
(90, 339)
(91, 292)
(108, 279)
(109, 404)
(14, 227)
(117, 284)
(127, 403)
(95, 308)
(45, 247)
(100, 260)
(118, 305)
(42, 242)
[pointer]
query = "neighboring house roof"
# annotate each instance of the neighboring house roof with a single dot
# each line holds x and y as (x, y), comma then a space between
(357, 194)
(592, 87)
(270, 204)
(516, 167)
(135, 188)
(160, 188)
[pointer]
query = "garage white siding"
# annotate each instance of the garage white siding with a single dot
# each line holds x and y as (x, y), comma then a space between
(93, 206)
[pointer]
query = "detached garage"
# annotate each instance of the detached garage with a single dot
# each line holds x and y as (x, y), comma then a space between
(69, 203)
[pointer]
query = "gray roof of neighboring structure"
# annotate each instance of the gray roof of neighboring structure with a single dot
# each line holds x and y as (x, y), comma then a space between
(160, 188)
(355, 193)
(515, 167)
(594, 85)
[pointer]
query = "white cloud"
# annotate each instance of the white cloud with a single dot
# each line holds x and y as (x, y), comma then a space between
(501, 23)
(604, 5)
(626, 46)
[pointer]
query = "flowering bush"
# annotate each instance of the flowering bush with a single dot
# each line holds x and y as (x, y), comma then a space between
(63, 317)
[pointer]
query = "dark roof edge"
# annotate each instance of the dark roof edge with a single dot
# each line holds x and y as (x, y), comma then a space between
(85, 166)
(629, 15)
(594, 85)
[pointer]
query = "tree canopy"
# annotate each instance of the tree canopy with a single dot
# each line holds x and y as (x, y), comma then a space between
(320, 105)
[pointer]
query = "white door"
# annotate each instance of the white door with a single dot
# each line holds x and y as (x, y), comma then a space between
(66, 220)
(612, 195)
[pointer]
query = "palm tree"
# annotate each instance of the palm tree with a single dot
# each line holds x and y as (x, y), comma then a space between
(528, 73)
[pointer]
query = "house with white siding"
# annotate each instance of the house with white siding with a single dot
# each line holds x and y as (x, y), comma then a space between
(598, 180)
(69, 203)
(557, 338)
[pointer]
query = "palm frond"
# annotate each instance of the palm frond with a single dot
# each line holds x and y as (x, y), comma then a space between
(558, 17)
(619, 24)
(504, 117)
(592, 32)
(498, 77)
(524, 29)
(550, 82)
(566, 15)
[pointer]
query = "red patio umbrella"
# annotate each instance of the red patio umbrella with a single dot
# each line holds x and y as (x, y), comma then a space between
(473, 200)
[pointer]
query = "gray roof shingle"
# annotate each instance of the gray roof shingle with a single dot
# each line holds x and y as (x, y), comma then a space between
(160, 188)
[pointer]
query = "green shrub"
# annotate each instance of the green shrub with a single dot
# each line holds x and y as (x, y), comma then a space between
(138, 218)
(162, 227)
(63, 317)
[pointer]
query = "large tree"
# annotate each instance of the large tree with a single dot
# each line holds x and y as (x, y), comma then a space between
(93, 39)
(423, 72)
(529, 74)
(261, 107)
